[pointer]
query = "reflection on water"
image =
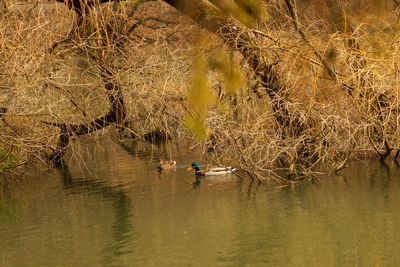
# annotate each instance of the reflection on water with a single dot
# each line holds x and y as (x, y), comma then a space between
(112, 207)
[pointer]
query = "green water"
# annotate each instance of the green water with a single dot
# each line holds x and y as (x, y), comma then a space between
(113, 208)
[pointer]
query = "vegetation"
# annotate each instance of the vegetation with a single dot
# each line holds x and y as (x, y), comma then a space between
(285, 89)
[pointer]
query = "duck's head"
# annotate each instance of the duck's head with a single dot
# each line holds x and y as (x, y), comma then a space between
(196, 166)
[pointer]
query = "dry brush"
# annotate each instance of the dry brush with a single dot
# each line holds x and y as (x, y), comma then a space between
(319, 84)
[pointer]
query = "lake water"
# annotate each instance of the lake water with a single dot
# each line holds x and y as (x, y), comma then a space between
(112, 207)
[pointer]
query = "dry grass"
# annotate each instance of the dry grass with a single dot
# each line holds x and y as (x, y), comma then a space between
(336, 126)
(41, 82)
(153, 67)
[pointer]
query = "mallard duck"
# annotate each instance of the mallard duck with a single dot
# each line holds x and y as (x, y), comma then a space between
(212, 171)
(166, 165)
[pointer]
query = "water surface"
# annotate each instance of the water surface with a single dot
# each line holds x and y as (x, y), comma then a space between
(111, 207)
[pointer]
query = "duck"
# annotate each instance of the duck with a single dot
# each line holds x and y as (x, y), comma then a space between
(166, 165)
(212, 171)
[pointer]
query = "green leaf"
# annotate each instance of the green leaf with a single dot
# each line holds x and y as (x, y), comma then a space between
(197, 126)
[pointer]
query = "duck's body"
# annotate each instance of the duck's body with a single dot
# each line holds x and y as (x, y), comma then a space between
(212, 171)
(219, 171)
(166, 165)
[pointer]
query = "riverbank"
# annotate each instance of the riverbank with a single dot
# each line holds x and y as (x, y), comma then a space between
(322, 94)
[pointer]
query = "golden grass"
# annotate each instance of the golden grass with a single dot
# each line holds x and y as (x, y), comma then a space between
(154, 69)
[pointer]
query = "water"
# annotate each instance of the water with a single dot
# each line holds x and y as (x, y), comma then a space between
(113, 208)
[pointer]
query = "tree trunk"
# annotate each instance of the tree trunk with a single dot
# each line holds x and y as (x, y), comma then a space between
(117, 111)
(243, 39)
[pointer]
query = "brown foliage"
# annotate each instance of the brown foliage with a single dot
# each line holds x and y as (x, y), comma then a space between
(325, 73)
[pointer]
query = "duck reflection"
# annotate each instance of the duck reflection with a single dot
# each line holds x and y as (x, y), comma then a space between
(197, 183)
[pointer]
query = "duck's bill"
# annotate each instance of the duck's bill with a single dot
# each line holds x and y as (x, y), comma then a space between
(188, 169)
